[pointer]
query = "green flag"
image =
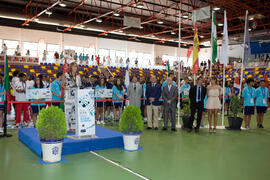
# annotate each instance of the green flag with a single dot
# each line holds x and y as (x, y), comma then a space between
(168, 67)
(6, 82)
(214, 37)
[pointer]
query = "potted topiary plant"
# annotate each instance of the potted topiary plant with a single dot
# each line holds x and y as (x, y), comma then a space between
(235, 122)
(51, 127)
(186, 113)
(131, 125)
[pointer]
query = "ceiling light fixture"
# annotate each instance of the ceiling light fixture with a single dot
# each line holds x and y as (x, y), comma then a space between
(48, 12)
(249, 29)
(36, 20)
(141, 27)
(82, 25)
(220, 24)
(185, 16)
(140, 5)
(62, 5)
(160, 22)
(216, 8)
(99, 20)
(120, 31)
(173, 33)
(252, 18)
(201, 36)
(116, 14)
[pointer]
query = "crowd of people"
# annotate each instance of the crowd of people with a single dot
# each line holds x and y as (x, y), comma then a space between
(157, 97)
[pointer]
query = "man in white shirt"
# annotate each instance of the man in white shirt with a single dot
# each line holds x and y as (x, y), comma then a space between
(20, 88)
(14, 81)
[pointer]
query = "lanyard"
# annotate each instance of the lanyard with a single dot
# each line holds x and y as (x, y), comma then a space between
(250, 92)
(263, 92)
(23, 86)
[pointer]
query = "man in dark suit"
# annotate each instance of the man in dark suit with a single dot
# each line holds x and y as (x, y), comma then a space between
(153, 93)
(169, 95)
(196, 95)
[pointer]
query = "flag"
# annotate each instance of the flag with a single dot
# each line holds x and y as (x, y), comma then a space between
(195, 65)
(65, 70)
(214, 37)
(266, 79)
(189, 52)
(236, 85)
(225, 43)
(168, 68)
(246, 42)
(204, 74)
(7, 84)
(127, 77)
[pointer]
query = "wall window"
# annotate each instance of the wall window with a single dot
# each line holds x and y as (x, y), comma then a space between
(121, 54)
(51, 48)
(77, 49)
(1, 43)
(11, 45)
(103, 53)
(32, 47)
(171, 59)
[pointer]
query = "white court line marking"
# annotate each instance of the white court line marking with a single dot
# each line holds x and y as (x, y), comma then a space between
(119, 165)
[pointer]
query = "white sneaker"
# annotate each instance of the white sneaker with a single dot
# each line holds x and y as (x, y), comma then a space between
(159, 118)
(1, 130)
(102, 122)
(98, 122)
(145, 119)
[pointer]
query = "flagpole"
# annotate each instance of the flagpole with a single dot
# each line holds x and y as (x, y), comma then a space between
(5, 102)
(211, 63)
(223, 94)
(242, 66)
(179, 69)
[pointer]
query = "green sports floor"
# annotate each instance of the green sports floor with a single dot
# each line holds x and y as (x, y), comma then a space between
(227, 155)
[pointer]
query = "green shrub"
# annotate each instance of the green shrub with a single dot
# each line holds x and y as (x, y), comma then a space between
(51, 124)
(131, 120)
(186, 107)
(235, 105)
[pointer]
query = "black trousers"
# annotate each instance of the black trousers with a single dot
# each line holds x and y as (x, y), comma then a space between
(197, 107)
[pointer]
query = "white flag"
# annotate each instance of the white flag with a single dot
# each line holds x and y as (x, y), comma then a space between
(225, 43)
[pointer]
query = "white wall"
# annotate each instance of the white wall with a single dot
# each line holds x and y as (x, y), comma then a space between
(27, 35)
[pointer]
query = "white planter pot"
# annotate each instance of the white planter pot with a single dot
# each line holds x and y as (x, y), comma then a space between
(51, 151)
(131, 141)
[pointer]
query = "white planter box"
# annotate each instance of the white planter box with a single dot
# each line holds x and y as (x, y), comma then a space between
(131, 141)
(51, 151)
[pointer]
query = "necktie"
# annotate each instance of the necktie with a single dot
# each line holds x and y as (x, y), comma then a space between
(199, 96)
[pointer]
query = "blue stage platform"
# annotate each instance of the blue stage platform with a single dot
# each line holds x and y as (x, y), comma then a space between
(106, 139)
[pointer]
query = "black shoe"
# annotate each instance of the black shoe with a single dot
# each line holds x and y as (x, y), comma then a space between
(164, 129)
(149, 128)
(261, 126)
(173, 129)
(156, 128)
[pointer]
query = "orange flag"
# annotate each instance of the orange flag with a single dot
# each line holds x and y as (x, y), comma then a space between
(195, 65)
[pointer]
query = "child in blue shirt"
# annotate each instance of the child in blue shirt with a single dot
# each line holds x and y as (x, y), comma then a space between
(56, 89)
(100, 104)
(118, 93)
(248, 95)
(36, 107)
(261, 95)
(228, 94)
(2, 98)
